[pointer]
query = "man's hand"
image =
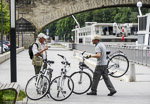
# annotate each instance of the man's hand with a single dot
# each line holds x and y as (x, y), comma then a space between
(46, 48)
(88, 56)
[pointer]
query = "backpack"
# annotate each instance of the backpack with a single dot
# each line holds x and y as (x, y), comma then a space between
(30, 50)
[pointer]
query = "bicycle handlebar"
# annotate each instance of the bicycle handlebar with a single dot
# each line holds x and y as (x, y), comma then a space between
(61, 56)
(83, 52)
(66, 62)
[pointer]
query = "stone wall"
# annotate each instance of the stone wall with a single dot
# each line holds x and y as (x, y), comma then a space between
(28, 38)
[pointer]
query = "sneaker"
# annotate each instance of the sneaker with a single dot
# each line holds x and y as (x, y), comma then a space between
(112, 93)
(92, 93)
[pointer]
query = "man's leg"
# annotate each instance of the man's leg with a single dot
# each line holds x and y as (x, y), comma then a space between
(108, 82)
(37, 69)
(96, 78)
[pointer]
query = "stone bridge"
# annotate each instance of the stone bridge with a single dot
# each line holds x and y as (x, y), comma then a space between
(42, 12)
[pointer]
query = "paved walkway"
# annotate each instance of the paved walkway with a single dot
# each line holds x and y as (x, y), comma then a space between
(127, 92)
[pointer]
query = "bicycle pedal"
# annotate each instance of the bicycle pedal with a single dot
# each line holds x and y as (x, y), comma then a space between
(48, 95)
(55, 81)
(64, 92)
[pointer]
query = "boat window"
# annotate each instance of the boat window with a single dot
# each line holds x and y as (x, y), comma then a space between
(142, 23)
(141, 39)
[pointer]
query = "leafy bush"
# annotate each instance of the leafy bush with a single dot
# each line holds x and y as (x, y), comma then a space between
(9, 95)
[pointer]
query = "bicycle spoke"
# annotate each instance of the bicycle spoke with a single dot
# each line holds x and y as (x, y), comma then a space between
(82, 81)
(60, 91)
(37, 90)
(118, 65)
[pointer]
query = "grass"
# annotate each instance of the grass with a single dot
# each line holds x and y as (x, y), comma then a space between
(9, 95)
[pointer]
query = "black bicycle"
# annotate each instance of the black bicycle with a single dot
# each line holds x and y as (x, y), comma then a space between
(118, 65)
(38, 86)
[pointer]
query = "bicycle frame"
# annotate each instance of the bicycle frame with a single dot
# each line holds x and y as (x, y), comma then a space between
(62, 75)
(115, 53)
(82, 64)
(43, 72)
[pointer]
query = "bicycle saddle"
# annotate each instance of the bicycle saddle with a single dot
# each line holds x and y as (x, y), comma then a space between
(108, 52)
(51, 62)
(82, 64)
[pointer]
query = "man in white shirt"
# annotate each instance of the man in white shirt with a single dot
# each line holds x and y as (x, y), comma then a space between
(39, 52)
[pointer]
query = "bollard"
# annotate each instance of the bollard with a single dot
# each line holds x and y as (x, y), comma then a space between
(132, 76)
(74, 53)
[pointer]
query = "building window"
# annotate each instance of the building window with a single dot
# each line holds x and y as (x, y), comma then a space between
(80, 40)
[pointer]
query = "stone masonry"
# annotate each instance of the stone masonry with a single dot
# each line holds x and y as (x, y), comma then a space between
(43, 12)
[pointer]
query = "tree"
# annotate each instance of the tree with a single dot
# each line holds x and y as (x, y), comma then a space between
(6, 18)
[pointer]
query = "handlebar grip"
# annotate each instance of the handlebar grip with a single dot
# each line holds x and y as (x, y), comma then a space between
(68, 63)
(83, 52)
(60, 55)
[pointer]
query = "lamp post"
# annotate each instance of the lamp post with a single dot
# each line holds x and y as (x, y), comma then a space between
(2, 26)
(13, 40)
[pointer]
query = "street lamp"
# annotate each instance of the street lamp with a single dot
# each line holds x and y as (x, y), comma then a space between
(13, 40)
(139, 5)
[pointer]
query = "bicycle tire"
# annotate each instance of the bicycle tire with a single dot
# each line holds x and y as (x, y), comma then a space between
(34, 92)
(57, 95)
(82, 85)
(118, 65)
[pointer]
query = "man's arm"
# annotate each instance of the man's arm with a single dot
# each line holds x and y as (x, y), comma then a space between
(98, 55)
(39, 52)
(35, 50)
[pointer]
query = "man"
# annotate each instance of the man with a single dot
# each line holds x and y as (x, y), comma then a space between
(101, 67)
(39, 52)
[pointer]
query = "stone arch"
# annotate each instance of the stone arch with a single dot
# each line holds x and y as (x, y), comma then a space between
(44, 13)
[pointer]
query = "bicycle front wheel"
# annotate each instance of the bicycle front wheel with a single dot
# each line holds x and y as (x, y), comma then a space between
(82, 82)
(37, 88)
(118, 65)
(59, 89)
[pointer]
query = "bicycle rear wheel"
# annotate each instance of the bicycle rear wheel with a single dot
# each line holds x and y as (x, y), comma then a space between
(118, 65)
(82, 82)
(59, 89)
(37, 88)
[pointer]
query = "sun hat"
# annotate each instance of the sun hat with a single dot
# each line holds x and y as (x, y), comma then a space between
(94, 37)
(42, 35)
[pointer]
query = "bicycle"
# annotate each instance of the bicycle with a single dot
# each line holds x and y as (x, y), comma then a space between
(83, 80)
(62, 86)
(38, 86)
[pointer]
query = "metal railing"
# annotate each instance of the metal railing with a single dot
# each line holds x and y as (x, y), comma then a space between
(136, 54)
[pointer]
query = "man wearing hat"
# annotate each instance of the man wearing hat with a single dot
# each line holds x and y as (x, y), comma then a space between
(101, 67)
(39, 52)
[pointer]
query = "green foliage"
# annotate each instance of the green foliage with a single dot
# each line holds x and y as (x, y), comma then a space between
(106, 15)
(6, 18)
(21, 95)
(9, 95)
(1, 97)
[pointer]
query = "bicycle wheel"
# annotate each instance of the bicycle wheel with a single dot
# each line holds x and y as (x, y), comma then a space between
(82, 82)
(37, 88)
(118, 65)
(59, 89)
